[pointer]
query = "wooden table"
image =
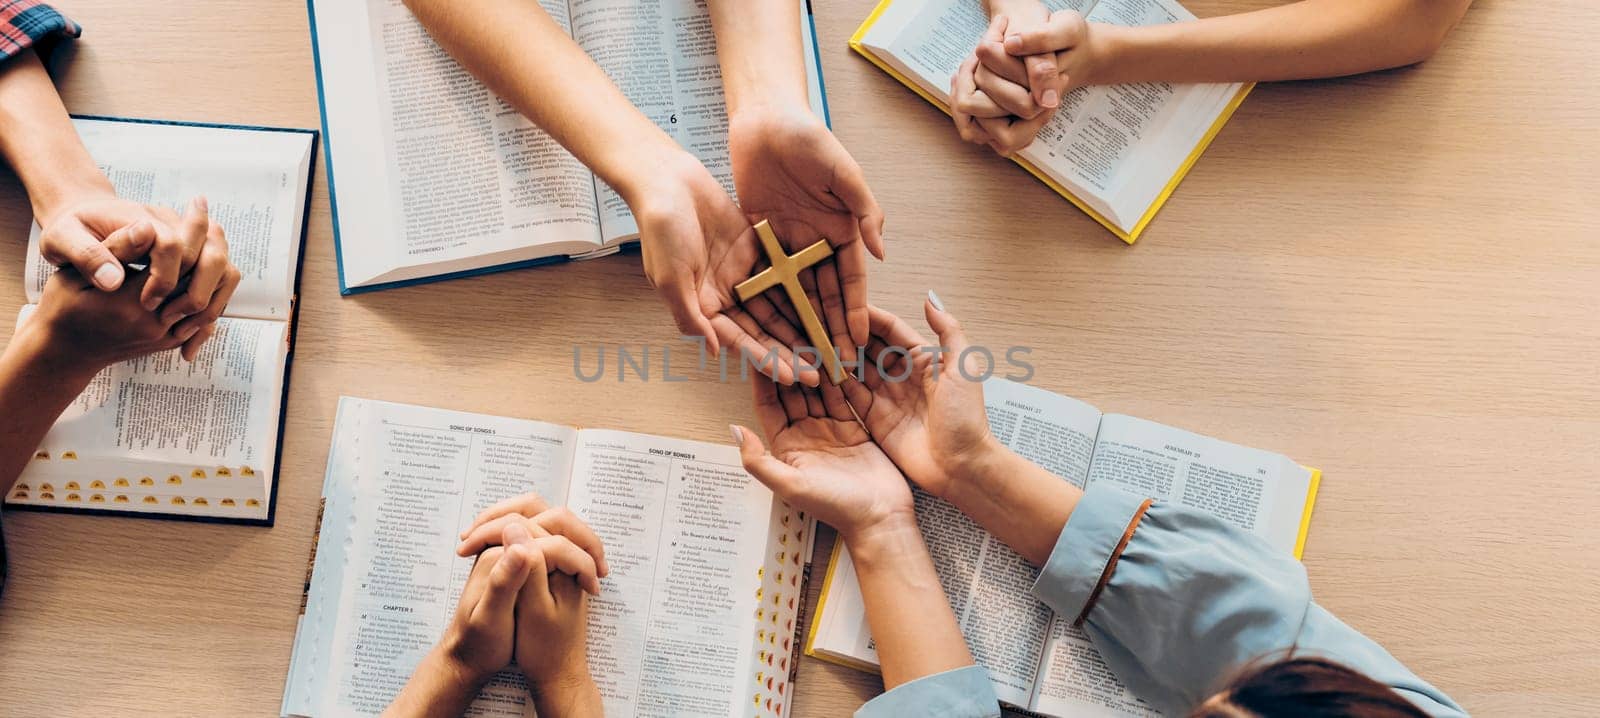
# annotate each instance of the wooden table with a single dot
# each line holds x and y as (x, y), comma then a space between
(1394, 277)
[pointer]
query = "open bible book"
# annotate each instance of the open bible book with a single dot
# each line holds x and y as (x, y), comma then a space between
(1037, 660)
(699, 615)
(433, 176)
(1115, 151)
(159, 435)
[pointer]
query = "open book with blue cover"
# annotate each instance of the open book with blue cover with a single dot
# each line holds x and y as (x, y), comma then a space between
(156, 435)
(432, 176)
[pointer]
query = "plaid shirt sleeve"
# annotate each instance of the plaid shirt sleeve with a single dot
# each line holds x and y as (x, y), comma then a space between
(30, 23)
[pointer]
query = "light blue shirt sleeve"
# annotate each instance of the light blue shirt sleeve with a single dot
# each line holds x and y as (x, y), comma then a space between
(957, 693)
(1191, 600)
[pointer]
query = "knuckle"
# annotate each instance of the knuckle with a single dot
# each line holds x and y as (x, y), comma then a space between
(493, 553)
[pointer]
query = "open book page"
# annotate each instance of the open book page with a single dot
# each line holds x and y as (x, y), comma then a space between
(662, 54)
(433, 173)
(688, 535)
(220, 409)
(989, 586)
(1113, 147)
(413, 479)
(254, 182)
(1259, 491)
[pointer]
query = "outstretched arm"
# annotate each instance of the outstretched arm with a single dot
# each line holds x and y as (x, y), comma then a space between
(788, 168)
(524, 55)
(1301, 40)
(695, 241)
(823, 462)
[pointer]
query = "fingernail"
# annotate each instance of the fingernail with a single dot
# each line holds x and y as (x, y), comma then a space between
(738, 434)
(150, 303)
(934, 299)
(1013, 41)
(108, 276)
(200, 205)
(172, 314)
(1051, 99)
(186, 334)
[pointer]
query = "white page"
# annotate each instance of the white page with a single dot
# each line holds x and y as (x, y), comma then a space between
(433, 173)
(1259, 491)
(1114, 147)
(219, 410)
(673, 78)
(989, 585)
(421, 477)
(1256, 490)
(254, 182)
(325, 590)
(685, 530)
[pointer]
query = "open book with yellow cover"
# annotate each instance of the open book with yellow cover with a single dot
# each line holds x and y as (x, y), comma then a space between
(1115, 151)
(1037, 660)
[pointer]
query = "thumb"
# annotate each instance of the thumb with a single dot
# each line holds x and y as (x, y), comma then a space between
(1042, 76)
(77, 246)
(850, 186)
(131, 242)
(504, 579)
(946, 327)
(1063, 31)
(782, 478)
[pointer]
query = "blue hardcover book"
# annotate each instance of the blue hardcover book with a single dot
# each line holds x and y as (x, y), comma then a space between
(158, 436)
(431, 176)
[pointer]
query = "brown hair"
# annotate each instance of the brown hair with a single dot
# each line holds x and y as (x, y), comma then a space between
(1308, 688)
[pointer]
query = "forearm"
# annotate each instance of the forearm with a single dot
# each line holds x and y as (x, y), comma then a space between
(912, 625)
(524, 56)
(437, 689)
(1016, 500)
(573, 697)
(1306, 39)
(36, 385)
(38, 141)
(759, 50)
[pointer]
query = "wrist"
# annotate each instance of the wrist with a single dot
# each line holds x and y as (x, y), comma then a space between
(52, 197)
(1109, 47)
(981, 472)
(887, 540)
(561, 687)
(35, 346)
(657, 172)
(454, 675)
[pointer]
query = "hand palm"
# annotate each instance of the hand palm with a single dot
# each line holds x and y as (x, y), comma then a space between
(697, 246)
(925, 423)
(785, 169)
(849, 480)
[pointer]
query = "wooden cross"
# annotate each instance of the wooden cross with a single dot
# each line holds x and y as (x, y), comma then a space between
(785, 271)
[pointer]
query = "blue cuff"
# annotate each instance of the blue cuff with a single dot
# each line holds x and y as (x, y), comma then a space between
(956, 693)
(1084, 548)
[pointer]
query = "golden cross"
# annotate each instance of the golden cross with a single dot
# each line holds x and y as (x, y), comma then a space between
(785, 271)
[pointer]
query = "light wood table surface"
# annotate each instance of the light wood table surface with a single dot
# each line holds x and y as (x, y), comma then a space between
(1394, 277)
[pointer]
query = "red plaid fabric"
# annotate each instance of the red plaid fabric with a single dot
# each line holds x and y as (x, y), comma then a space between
(26, 23)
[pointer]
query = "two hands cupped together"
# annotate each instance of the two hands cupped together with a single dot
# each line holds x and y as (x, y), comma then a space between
(1019, 74)
(698, 243)
(845, 453)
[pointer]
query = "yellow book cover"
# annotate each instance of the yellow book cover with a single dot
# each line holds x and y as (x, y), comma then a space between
(1128, 235)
